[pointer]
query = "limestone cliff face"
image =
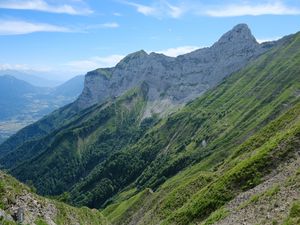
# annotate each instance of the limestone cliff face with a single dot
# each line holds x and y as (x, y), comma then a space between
(173, 81)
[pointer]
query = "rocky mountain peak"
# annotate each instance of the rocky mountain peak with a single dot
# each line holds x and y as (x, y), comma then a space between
(138, 54)
(239, 33)
(173, 81)
(133, 58)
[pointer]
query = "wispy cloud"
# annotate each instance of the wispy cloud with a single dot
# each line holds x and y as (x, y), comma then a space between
(252, 9)
(117, 14)
(262, 40)
(23, 27)
(20, 67)
(82, 66)
(94, 62)
(109, 25)
(163, 8)
(173, 52)
(23, 67)
(85, 65)
(175, 11)
(144, 9)
(69, 68)
(19, 27)
(43, 5)
(158, 9)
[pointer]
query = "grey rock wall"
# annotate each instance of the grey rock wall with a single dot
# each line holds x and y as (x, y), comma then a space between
(173, 80)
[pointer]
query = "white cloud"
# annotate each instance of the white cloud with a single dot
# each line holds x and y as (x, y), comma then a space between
(247, 9)
(144, 9)
(163, 8)
(7, 66)
(69, 68)
(262, 40)
(175, 11)
(42, 5)
(110, 25)
(82, 66)
(85, 65)
(23, 27)
(101, 26)
(173, 52)
(159, 9)
(18, 27)
(94, 63)
(23, 67)
(117, 14)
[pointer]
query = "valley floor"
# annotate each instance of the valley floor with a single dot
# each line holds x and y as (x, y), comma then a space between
(10, 127)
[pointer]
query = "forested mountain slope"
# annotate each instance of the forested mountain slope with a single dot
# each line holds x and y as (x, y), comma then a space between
(69, 154)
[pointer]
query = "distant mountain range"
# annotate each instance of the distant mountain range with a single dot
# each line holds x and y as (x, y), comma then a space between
(22, 103)
(209, 137)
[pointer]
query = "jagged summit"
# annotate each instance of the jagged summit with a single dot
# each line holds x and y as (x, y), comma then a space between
(239, 33)
(133, 57)
(241, 26)
(137, 54)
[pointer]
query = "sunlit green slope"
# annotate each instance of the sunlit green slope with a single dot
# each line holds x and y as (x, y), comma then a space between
(229, 140)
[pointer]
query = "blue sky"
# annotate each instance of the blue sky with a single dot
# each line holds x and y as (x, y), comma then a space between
(69, 37)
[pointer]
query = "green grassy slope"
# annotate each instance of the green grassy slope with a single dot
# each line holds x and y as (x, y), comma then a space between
(234, 135)
(38, 210)
(213, 124)
(244, 175)
(69, 154)
(294, 215)
(226, 116)
(192, 195)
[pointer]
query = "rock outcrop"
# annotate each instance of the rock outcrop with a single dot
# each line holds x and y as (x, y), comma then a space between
(19, 205)
(173, 81)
